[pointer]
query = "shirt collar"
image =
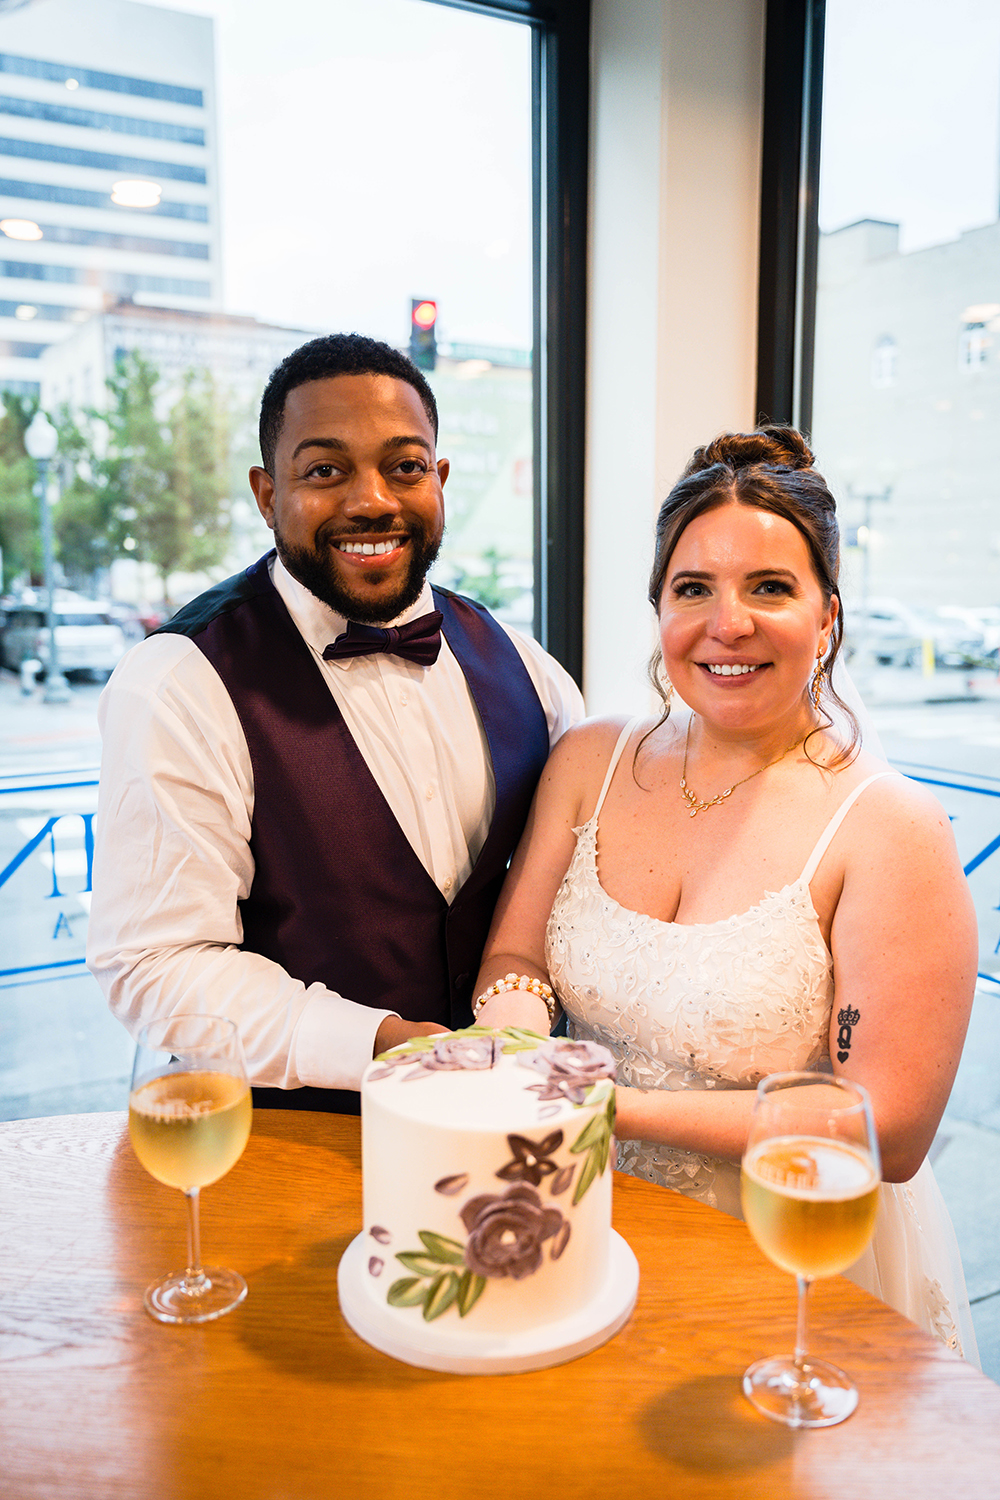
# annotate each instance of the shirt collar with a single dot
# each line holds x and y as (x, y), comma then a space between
(318, 624)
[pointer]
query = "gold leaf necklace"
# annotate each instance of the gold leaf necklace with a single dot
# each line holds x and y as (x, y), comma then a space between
(696, 804)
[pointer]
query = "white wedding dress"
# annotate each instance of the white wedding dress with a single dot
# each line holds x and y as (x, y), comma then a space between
(720, 1005)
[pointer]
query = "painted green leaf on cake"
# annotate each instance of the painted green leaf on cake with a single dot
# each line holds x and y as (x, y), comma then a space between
(441, 1293)
(600, 1091)
(470, 1289)
(408, 1049)
(520, 1040)
(591, 1170)
(423, 1265)
(445, 1251)
(436, 1286)
(591, 1134)
(595, 1139)
(409, 1292)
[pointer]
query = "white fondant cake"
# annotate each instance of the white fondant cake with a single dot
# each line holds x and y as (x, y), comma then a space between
(487, 1192)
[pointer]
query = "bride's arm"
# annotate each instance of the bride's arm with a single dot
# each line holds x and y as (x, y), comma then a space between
(904, 962)
(905, 953)
(516, 944)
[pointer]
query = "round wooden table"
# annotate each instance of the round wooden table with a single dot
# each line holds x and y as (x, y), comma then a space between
(279, 1400)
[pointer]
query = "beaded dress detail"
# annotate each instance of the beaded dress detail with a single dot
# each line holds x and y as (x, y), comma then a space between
(720, 1005)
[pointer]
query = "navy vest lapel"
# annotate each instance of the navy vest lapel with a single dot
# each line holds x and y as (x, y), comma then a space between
(512, 716)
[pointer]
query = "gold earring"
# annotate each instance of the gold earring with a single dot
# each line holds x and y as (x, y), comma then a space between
(816, 685)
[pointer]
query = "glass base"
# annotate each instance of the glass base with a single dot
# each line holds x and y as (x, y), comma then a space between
(800, 1393)
(179, 1298)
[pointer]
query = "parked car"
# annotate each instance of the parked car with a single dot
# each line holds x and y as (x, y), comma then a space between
(89, 643)
(893, 635)
(979, 617)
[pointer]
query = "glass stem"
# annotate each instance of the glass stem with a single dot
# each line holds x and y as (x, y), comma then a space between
(800, 1326)
(194, 1276)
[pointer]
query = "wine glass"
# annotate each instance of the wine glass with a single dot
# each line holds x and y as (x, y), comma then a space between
(189, 1117)
(810, 1189)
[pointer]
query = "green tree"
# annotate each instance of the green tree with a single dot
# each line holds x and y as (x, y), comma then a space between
(199, 486)
(87, 533)
(165, 481)
(135, 481)
(487, 586)
(19, 531)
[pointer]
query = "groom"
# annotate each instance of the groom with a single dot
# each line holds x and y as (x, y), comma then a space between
(315, 774)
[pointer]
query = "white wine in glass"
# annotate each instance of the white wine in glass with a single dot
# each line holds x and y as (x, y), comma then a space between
(189, 1121)
(810, 1190)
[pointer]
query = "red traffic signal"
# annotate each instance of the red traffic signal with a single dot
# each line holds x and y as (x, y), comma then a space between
(423, 344)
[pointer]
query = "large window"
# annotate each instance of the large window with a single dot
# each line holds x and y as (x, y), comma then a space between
(880, 336)
(188, 193)
(906, 386)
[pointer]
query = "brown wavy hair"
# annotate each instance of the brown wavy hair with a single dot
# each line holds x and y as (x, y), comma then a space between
(768, 469)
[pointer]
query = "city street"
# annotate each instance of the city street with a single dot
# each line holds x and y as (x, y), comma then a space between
(61, 1052)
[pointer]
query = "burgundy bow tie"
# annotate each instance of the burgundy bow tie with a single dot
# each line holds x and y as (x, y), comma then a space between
(418, 641)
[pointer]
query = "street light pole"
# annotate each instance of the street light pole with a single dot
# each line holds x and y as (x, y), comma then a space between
(41, 441)
(868, 497)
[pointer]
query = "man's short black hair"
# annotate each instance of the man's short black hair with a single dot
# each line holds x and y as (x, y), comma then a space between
(321, 359)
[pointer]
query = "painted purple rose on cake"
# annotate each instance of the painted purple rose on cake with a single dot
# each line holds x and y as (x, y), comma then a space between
(455, 1052)
(569, 1068)
(508, 1236)
(507, 1232)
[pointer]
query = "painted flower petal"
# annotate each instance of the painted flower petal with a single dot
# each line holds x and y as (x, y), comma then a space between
(452, 1185)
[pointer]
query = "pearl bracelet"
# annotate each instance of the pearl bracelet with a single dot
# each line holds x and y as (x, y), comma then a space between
(518, 982)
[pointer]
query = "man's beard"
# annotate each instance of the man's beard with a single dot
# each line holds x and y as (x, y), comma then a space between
(315, 568)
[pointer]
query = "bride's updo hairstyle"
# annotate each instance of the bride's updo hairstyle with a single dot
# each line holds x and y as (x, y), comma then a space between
(769, 469)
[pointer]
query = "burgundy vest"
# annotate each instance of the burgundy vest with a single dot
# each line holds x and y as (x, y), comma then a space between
(338, 893)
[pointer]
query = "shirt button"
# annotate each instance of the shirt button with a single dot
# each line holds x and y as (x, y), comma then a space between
(403, 699)
(448, 883)
(429, 792)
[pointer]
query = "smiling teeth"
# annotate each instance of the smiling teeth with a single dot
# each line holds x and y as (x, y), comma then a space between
(369, 549)
(731, 671)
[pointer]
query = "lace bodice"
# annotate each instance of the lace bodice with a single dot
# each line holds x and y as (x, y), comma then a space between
(714, 1005)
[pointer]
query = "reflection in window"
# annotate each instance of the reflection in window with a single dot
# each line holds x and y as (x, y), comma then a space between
(908, 256)
(884, 360)
(972, 346)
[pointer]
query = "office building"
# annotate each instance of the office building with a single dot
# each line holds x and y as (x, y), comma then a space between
(907, 397)
(108, 170)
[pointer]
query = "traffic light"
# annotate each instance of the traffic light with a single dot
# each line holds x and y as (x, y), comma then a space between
(423, 344)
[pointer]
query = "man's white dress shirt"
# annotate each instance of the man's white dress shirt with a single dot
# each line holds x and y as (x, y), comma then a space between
(172, 855)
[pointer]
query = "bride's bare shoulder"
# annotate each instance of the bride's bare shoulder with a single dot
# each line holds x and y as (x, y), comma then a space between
(900, 814)
(593, 741)
(580, 759)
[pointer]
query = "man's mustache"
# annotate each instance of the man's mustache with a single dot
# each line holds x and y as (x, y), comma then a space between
(382, 526)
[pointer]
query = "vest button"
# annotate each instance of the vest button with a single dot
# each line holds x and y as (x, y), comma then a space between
(461, 980)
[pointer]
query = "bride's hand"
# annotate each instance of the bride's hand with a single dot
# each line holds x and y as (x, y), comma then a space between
(515, 1008)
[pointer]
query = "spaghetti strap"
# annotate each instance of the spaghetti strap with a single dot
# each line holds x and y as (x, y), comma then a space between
(825, 838)
(616, 756)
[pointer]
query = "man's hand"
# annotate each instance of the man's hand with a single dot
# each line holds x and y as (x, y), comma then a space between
(394, 1030)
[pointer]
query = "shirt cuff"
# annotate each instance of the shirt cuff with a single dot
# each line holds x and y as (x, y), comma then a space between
(334, 1041)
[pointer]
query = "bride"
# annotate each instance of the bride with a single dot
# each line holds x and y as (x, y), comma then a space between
(853, 944)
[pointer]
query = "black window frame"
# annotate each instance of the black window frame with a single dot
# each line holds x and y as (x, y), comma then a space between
(789, 217)
(560, 155)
